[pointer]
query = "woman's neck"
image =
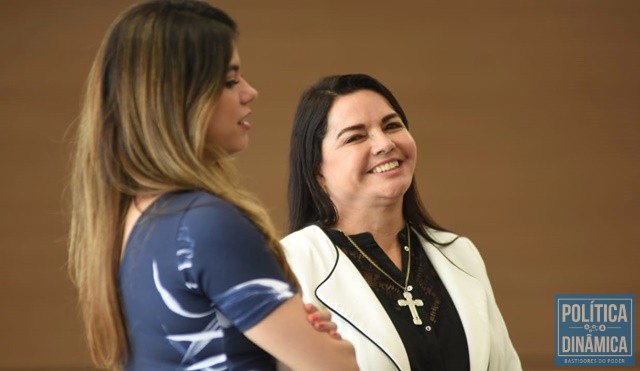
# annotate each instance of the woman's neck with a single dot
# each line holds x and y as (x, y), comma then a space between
(383, 223)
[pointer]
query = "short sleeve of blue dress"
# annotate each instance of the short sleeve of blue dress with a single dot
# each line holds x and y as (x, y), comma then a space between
(195, 275)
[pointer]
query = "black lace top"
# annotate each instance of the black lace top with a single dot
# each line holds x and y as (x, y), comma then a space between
(439, 343)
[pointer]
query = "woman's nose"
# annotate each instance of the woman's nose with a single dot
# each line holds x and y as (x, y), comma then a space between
(248, 94)
(382, 144)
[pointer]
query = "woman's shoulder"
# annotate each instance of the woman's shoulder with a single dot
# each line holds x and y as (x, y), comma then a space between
(204, 220)
(308, 241)
(191, 197)
(193, 200)
(442, 237)
(309, 235)
(311, 255)
(446, 239)
(459, 250)
(197, 207)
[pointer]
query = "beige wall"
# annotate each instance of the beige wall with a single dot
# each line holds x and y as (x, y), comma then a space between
(526, 114)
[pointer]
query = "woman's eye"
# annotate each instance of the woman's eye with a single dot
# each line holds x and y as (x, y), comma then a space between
(231, 83)
(394, 125)
(354, 138)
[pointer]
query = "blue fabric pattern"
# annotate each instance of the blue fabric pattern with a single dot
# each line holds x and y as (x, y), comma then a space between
(197, 273)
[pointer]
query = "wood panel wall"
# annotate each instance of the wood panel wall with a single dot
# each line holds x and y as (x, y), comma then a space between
(526, 115)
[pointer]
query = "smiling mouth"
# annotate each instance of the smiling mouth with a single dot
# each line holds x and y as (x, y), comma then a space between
(245, 124)
(386, 167)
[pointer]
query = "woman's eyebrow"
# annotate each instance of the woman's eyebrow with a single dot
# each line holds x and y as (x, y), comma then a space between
(361, 126)
(390, 116)
(350, 128)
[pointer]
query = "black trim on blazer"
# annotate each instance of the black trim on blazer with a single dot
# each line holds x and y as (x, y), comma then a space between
(339, 315)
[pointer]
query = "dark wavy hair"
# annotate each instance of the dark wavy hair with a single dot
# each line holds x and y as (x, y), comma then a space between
(308, 202)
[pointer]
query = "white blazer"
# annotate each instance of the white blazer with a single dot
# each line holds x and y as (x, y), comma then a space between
(329, 280)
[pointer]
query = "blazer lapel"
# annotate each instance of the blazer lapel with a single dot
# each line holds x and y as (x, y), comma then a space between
(347, 293)
(470, 301)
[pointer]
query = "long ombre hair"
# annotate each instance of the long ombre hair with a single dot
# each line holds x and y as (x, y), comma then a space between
(150, 93)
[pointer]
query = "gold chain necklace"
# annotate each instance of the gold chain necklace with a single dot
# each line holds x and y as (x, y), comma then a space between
(408, 300)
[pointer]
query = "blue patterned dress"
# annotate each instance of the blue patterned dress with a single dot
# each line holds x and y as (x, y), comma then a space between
(195, 275)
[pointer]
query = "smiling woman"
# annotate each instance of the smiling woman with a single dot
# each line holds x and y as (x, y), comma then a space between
(361, 237)
(368, 155)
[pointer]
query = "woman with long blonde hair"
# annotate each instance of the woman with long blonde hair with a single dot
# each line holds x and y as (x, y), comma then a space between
(176, 265)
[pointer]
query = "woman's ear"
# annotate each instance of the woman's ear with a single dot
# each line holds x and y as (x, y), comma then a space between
(320, 179)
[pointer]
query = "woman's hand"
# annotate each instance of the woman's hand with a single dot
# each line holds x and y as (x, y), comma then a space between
(321, 321)
(285, 334)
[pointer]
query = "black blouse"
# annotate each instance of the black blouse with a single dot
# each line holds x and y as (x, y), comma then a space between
(439, 343)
